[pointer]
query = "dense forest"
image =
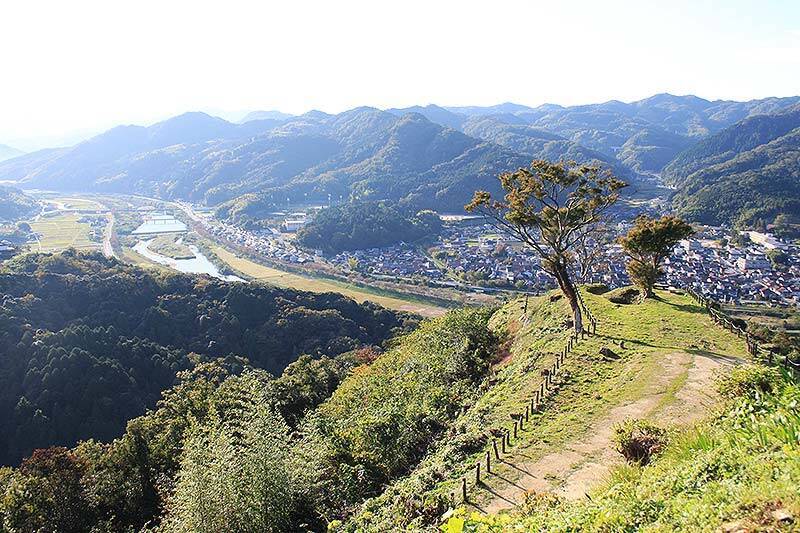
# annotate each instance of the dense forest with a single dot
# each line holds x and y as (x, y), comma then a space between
(15, 204)
(745, 174)
(90, 343)
(361, 225)
(289, 445)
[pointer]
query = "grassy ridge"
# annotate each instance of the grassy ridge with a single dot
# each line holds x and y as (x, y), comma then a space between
(737, 472)
(590, 389)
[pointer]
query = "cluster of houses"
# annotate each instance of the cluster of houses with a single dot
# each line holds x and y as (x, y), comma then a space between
(471, 255)
(266, 243)
(739, 274)
(399, 261)
(477, 254)
(712, 264)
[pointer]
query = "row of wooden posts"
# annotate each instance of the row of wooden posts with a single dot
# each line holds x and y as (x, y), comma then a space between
(592, 329)
(509, 436)
(753, 347)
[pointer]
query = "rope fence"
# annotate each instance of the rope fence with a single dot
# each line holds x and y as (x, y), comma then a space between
(753, 347)
(508, 437)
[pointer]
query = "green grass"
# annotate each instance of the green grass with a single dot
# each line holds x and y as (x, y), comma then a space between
(741, 469)
(60, 232)
(284, 279)
(590, 388)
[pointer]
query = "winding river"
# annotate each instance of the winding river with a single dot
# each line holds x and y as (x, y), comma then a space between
(199, 264)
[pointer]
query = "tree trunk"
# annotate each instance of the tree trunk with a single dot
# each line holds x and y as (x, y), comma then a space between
(571, 293)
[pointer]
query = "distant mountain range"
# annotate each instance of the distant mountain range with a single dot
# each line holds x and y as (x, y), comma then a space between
(7, 152)
(744, 173)
(427, 156)
(265, 115)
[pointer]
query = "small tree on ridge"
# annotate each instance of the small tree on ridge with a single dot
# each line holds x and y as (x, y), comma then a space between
(551, 207)
(648, 243)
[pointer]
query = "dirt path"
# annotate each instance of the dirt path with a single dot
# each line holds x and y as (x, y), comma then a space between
(581, 465)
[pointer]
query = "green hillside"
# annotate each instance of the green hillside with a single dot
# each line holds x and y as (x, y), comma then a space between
(754, 185)
(381, 442)
(15, 204)
(746, 173)
(671, 349)
(737, 472)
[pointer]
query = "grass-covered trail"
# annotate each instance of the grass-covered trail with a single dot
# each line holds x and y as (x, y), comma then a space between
(665, 372)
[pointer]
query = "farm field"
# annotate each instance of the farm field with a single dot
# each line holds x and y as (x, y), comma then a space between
(61, 232)
(295, 281)
(75, 203)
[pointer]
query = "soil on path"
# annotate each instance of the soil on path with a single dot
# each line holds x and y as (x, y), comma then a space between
(581, 465)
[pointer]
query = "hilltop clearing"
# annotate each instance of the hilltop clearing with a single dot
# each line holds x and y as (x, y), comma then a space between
(736, 472)
(671, 351)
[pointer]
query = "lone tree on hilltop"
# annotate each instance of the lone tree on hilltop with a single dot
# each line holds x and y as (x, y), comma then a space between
(648, 243)
(551, 207)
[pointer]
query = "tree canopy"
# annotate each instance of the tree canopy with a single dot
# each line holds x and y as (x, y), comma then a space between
(648, 243)
(89, 343)
(361, 225)
(552, 207)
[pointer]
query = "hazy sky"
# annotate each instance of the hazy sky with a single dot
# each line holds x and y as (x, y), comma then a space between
(83, 65)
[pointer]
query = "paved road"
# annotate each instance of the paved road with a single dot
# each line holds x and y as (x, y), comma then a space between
(108, 249)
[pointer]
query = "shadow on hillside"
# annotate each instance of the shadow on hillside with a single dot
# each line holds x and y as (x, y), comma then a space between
(507, 480)
(686, 308)
(496, 494)
(719, 357)
(616, 340)
(517, 468)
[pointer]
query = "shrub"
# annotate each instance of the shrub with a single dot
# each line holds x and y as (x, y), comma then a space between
(624, 295)
(748, 381)
(597, 288)
(639, 441)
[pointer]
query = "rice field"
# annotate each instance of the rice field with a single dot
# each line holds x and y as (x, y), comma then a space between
(60, 232)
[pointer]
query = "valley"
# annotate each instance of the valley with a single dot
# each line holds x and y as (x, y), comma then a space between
(60, 228)
(349, 267)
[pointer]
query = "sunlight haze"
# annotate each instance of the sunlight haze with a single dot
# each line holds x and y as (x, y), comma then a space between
(86, 66)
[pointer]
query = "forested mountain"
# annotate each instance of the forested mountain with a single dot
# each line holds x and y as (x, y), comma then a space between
(15, 204)
(420, 157)
(89, 343)
(7, 152)
(376, 155)
(533, 142)
(643, 136)
(362, 225)
(747, 172)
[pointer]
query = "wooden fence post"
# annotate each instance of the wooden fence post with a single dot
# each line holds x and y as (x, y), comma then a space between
(464, 489)
(527, 411)
(478, 473)
(503, 441)
(515, 428)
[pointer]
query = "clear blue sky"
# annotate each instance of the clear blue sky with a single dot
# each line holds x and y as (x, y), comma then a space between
(81, 65)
